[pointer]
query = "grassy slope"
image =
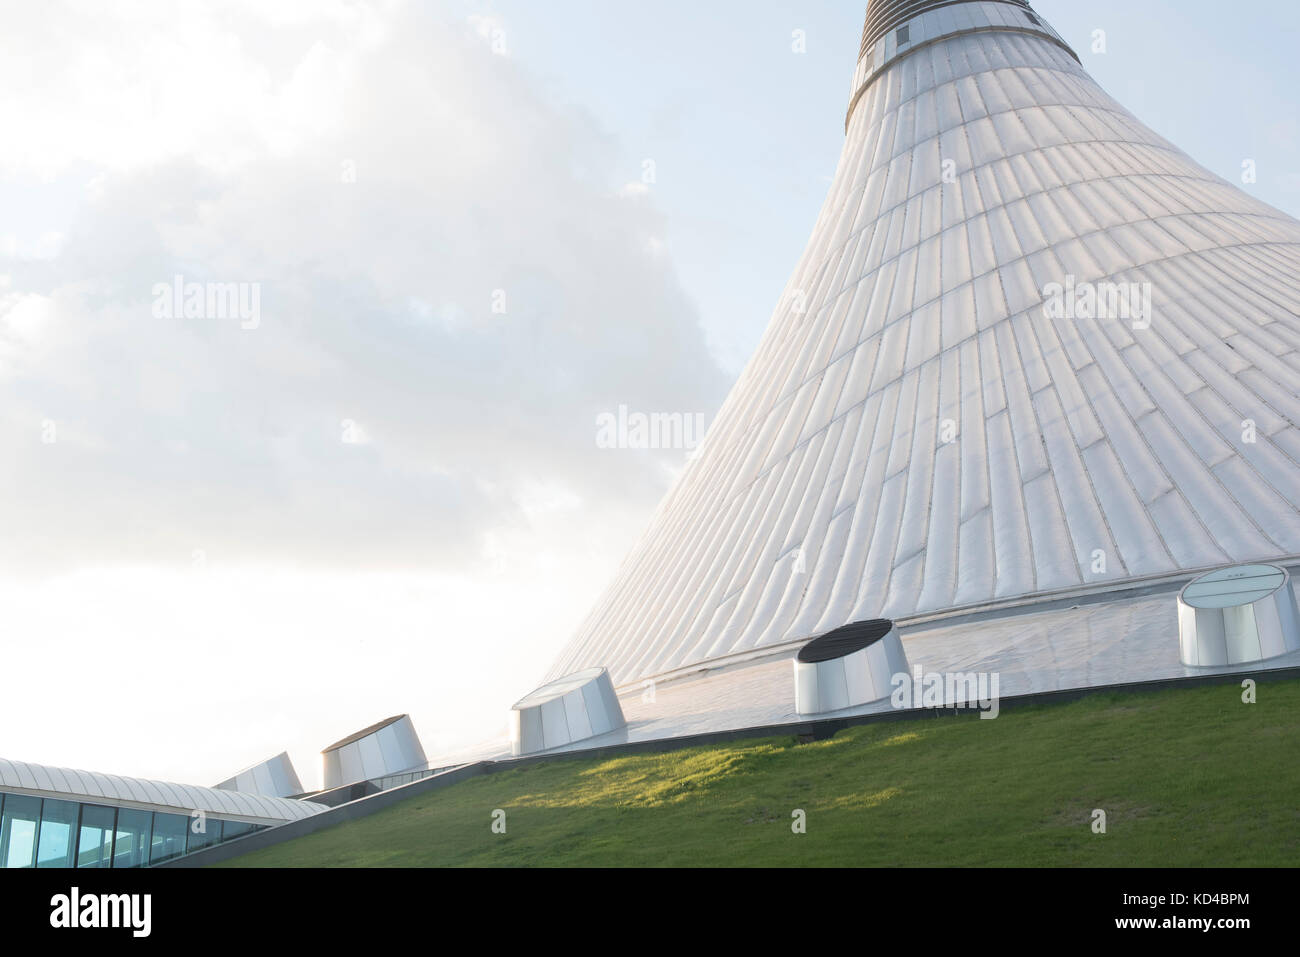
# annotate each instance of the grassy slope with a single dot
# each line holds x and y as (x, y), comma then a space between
(1188, 777)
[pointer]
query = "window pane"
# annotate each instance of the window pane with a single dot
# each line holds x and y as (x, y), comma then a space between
(95, 836)
(168, 837)
(55, 845)
(211, 834)
(233, 829)
(134, 830)
(18, 830)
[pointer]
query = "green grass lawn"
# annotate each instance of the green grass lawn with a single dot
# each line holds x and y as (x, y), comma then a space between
(1187, 777)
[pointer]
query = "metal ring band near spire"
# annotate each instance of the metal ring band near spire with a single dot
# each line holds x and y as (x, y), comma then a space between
(885, 15)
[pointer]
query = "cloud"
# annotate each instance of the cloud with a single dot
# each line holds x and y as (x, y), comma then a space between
(493, 30)
(430, 269)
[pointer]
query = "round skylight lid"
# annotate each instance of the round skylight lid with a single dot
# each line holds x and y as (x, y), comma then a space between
(1236, 616)
(1229, 587)
(559, 688)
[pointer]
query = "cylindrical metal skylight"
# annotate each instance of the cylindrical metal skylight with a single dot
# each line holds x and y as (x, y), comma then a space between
(847, 667)
(569, 709)
(1238, 615)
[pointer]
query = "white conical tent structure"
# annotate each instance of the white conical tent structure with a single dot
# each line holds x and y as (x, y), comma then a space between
(920, 431)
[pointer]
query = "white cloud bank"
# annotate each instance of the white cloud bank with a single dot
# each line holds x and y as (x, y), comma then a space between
(446, 305)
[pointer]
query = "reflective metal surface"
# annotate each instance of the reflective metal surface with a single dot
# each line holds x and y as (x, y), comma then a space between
(386, 748)
(825, 683)
(1064, 645)
(886, 15)
(275, 777)
(568, 710)
(1238, 615)
(920, 430)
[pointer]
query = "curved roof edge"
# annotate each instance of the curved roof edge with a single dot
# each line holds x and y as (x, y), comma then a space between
(96, 788)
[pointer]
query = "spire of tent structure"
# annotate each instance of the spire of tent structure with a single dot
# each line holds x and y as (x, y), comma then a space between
(1031, 349)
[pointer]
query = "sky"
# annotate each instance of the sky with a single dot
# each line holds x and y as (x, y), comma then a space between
(463, 232)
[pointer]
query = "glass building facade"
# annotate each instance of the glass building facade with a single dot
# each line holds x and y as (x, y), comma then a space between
(45, 832)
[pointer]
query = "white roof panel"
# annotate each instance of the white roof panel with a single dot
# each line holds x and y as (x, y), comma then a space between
(1077, 434)
(71, 785)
